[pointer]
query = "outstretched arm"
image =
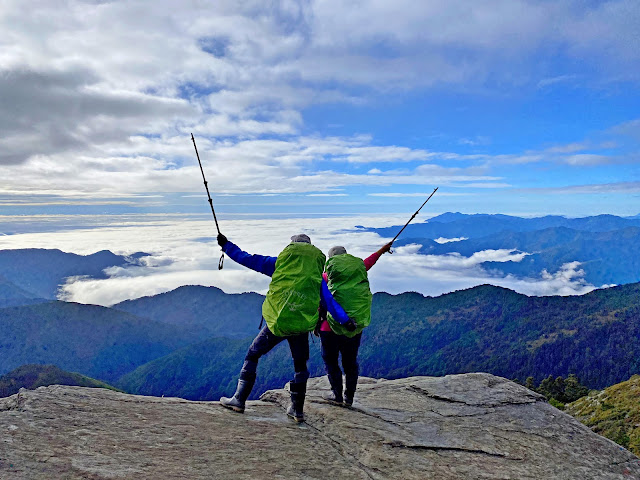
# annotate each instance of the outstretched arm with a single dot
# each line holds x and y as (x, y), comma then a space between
(334, 308)
(371, 260)
(259, 263)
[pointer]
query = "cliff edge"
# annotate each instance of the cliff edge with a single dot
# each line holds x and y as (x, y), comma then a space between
(471, 426)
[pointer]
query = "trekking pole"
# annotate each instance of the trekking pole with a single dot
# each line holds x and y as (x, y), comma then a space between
(412, 217)
(206, 186)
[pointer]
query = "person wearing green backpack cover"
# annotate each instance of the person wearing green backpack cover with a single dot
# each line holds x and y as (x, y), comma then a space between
(290, 310)
(347, 279)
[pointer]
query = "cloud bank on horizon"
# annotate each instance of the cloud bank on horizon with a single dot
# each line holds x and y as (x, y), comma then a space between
(185, 253)
(510, 106)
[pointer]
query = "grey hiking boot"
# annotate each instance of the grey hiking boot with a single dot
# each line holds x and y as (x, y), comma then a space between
(333, 397)
(236, 403)
(298, 392)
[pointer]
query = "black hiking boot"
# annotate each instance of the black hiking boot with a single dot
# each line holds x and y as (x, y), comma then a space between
(295, 410)
(351, 382)
(236, 403)
(335, 396)
(348, 398)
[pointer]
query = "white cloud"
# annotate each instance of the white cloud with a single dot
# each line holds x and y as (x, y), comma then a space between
(569, 280)
(478, 140)
(437, 274)
(605, 188)
(587, 159)
(422, 195)
(546, 82)
(183, 252)
(449, 240)
(101, 96)
(327, 195)
(630, 128)
(248, 166)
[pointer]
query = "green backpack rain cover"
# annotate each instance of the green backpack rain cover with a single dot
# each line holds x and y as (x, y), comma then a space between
(349, 285)
(291, 306)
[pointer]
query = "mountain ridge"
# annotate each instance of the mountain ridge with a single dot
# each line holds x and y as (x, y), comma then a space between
(90, 339)
(473, 226)
(34, 376)
(483, 328)
(197, 309)
(41, 271)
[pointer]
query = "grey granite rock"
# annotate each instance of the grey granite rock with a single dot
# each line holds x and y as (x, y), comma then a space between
(472, 426)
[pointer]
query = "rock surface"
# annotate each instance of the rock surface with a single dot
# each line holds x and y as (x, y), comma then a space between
(472, 426)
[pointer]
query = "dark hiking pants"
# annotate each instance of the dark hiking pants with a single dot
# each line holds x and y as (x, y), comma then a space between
(264, 343)
(334, 345)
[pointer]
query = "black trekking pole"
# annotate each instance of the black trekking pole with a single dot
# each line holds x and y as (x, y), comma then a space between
(413, 216)
(206, 186)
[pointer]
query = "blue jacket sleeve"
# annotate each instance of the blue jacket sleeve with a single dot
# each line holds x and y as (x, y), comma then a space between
(259, 263)
(334, 308)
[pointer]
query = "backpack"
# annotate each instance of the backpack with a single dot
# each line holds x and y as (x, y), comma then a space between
(291, 304)
(349, 284)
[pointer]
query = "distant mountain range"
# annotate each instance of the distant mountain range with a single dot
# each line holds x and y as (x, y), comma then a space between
(209, 370)
(608, 247)
(38, 273)
(207, 310)
(455, 225)
(595, 336)
(195, 338)
(191, 341)
(92, 340)
(12, 295)
(486, 328)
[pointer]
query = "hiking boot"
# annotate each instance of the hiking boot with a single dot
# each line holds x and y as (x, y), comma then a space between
(295, 410)
(351, 382)
(335, 396)
(348, 398)
(236, 403)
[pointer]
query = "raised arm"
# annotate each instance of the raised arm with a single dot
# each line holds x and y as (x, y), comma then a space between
(371, 260)
(259, 263)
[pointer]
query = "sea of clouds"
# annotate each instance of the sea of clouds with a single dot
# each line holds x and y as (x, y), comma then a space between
(183, 251)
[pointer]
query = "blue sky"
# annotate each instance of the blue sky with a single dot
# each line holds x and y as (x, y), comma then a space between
(321, 107)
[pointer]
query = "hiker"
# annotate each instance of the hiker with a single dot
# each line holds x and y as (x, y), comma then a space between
(290, 311)
(347, 279)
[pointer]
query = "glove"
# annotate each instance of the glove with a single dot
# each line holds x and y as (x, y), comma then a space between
(350, 325)
(222, 240)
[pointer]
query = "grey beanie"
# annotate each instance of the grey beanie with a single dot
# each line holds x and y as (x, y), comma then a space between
(333, 251)
(301, 238)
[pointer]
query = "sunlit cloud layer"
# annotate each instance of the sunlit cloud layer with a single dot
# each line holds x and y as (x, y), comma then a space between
(185, 253)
